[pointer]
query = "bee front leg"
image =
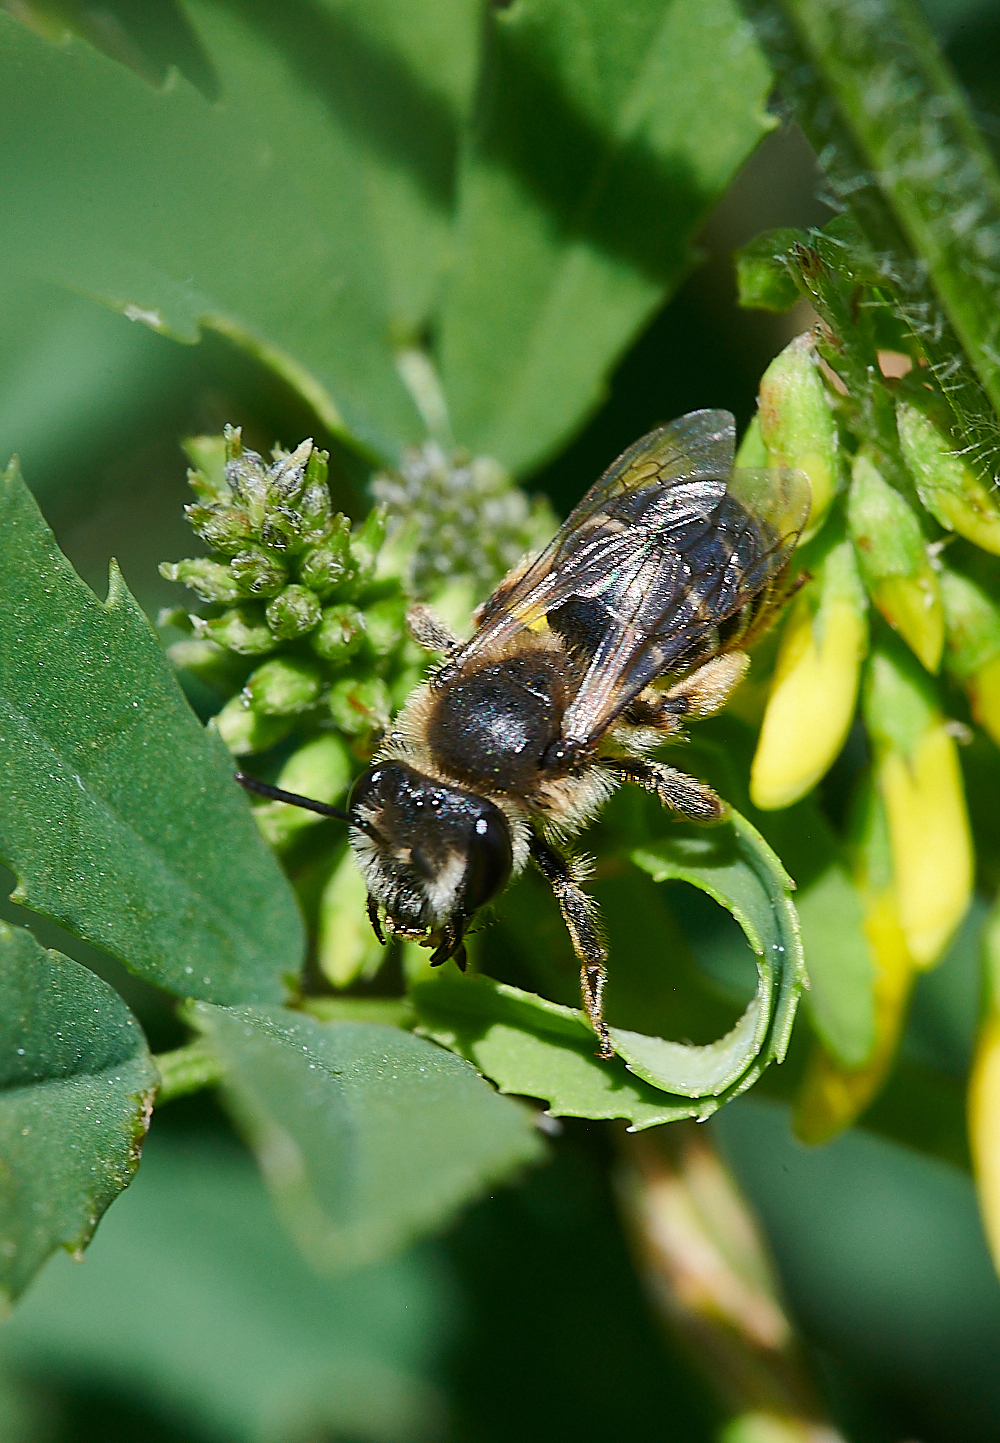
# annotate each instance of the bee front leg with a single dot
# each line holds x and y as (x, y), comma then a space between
(680, 793)
(580, 913)
(429, 631)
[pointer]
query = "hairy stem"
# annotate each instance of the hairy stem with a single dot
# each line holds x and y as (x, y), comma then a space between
(893, 132)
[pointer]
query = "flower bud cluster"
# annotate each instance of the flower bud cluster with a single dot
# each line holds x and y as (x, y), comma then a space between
(303, 624)
(459, 516)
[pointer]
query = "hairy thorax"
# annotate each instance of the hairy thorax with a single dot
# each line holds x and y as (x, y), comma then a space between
(491, 727)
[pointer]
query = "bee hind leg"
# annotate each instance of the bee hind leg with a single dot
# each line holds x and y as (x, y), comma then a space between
(701, 694)
(678, 792)
(580, 914)
(429, 631)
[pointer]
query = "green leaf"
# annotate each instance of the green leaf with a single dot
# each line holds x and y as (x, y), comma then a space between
(367, 1135)
(604, 135)
(735, 866)
(76, 1088)
(118, 813)
(535, 1048)
(305, 213)
(194, 1305)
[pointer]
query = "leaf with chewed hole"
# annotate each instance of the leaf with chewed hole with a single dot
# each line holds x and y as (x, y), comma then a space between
(76, 1087)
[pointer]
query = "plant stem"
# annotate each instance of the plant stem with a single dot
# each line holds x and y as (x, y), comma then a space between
(187, 1069)
(893, 132)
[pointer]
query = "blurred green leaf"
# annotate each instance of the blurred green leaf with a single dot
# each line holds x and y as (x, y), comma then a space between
(194, 1303)
(839, 1000)
(76, 1088)
(367, 1135)
(603, 137)
(117, 810)
(327, 162)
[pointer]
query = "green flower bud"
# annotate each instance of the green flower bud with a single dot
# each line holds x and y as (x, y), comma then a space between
(293, 612)
(339, 634)
(242, 630)
(204, 659)
(283, 687)
(207, 477)
(359, 706)
(752, 451)
(208, 579)
(893, 561)
(798, 426)
(765, 280)
(946, 485)
(972, 621)
(258, 573)
(325, 566)
(366, 542)
(385, 623)
(245, 731)
(224, 528)
(320, 769)
(346, 947)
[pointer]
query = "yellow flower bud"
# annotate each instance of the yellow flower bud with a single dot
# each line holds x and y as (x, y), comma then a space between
(892, 558)
(918, 774)
(833, 1096)
(815, 682)
(797, 424)
(984, 1095)
(946, 484)
(346, 946)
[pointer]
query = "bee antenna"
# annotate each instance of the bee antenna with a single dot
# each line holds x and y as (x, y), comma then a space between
(293, 799)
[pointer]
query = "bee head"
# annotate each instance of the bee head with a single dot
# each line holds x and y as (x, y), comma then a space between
(431, 854)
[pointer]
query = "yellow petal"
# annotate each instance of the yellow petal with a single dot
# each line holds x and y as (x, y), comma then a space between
(912, 606)
(984, 697)
(984, 1128)
(931, 845)
(812, 700)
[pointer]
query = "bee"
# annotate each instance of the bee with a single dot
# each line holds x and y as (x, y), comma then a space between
(587, 657)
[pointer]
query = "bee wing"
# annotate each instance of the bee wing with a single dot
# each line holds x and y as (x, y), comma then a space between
(676, 473)
(680, 587)
(658, 552)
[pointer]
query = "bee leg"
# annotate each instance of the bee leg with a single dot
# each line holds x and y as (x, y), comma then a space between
(682, 794)
(701, 694)
(429, 631)
(579, 912)
(373, 919)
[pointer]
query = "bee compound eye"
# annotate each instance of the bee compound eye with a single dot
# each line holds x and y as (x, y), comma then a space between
(491, 858)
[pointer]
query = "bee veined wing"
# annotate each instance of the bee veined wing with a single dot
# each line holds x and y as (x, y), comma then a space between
(667, 545)
(675, 473)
